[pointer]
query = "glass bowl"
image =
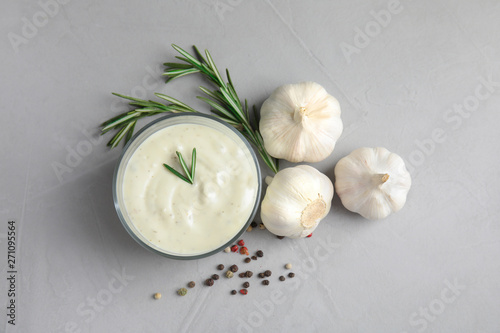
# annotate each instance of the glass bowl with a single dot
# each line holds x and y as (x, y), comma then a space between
(145, 133)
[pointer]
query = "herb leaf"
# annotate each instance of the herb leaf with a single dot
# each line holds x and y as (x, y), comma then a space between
(189, 178)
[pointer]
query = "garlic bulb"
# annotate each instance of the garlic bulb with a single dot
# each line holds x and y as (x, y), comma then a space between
(296, 200)
(372, 182)
(300, 122)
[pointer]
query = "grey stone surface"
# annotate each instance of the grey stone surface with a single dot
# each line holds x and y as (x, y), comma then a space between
(421, 78)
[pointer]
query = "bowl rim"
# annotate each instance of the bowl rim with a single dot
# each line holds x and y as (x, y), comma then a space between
(120, 212)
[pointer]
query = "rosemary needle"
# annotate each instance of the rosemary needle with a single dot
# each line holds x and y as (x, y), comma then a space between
(189, 178)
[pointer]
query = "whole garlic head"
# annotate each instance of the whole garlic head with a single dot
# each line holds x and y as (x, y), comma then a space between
(372, 182)
(300, 122)
(296, 200)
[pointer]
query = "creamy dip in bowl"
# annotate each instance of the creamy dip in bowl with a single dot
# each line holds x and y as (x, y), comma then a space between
(176, 219)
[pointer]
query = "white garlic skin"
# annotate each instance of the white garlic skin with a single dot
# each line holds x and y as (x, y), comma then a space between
(300, 122)
(296, 200)
(372, 182)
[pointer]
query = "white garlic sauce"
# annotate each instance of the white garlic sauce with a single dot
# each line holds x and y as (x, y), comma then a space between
(179, 217)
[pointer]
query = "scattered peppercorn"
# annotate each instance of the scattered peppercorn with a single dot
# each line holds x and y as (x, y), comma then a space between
(234, 248)
(191, 284)
(262, 226)
(215, 276)
(265, 282)
(241, 242)
(254, 258)
(310, 235)
(157, 296)
(220, 267)
(267, 273)
(244, 250)
(253, 224)
(249, 274)
(247, 260)
(261, 275)
(291, 275)
(233, 268)
(282, 278)
(248, 230)
(246, 284)
(288, 266)
(182, 291)
(280, 237)
(209, 282)
(233, 292)
(242, 275)
(227, 249)
(244, 291)
(229, 274)
(260, 254)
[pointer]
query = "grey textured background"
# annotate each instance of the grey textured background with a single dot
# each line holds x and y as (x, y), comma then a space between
(432, 267)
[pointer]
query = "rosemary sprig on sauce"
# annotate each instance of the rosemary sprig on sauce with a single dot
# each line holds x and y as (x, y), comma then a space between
(189, 178)
(223, 101)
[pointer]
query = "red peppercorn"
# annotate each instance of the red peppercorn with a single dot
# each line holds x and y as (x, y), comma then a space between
(241, 242)
(244, 291)
(310, 235)
(244, 250)
(234, 248)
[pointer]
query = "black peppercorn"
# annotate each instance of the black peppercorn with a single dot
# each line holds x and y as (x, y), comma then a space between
(215, 276)
(249, 273)
(233, 268)
(280, 237)
(282, 278)
(291, 275)
(247, 260)
(191, 284)
(265, 282)
(261, 275)
(267, 273)
(209, 282)
(242, 275)
(246, 285)
(254, 224)
(220, 267)
(260, 253)
(254, 258)
(233, 292)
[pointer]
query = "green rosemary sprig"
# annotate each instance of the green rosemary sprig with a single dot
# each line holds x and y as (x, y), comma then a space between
(189, 178)
(223, 101)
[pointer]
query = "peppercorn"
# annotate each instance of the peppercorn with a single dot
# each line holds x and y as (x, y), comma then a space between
(261, 275)
(244, 250)
(209, 282)
(246, 284)
(288, 266)
(254, 258)
(244, 291)
(229, 274)
(215, 276)
(267, 273)
(249, 274)
(282, 278)
(157, 296)
(259, 254)
(234, 248)
(233, 268)
(265, 282)
(191, 284)
(253, 224)
(291, 275)
(262, 226)
(220, 267)
(310, 235)
(247, 260)
(242, 275)
(233, 292)
(182, 291)
(227, 249)
(280, 237)
(241, 242)
(248, 230)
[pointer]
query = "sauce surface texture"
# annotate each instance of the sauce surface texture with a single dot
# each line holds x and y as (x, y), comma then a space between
(179, 217)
